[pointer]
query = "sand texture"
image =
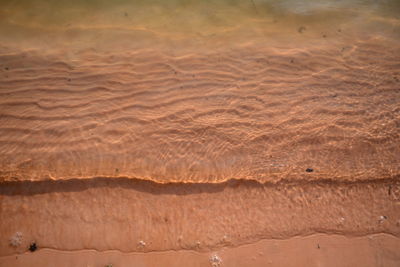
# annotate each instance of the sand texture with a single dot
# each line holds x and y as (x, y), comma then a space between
(247, 113)
(199, 133)
(316, 250)
(106, 214)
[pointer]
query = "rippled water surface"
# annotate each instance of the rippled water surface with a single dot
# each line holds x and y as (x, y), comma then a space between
(197, 125)
(199, 91)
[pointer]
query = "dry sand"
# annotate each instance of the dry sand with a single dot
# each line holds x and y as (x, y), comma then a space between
(251, 141)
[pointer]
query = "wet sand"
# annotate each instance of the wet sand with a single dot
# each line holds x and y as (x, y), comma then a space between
(124, 213)
(316, 250)
(255, 134)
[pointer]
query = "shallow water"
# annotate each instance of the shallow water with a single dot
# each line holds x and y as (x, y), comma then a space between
(196, 91)
(191, 124)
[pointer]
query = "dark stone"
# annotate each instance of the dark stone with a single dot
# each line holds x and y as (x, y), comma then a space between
(6, 68)
(309, 170)
(33, 247)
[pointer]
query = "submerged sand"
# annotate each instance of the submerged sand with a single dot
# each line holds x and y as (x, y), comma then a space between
(259, 133)
(252, 112)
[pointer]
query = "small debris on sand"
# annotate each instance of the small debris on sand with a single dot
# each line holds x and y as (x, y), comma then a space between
(16, 239)
(382, 218)
(301, 29)
(32, 247)
(141, 244)
(215, 260)
(309, 170)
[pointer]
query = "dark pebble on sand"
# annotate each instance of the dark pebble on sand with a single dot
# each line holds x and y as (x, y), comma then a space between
(309, 170)
(6, 68)
(33, 247)
(301, 29)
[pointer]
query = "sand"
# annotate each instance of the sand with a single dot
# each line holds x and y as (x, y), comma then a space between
(257, 113)
(199, 134)
(316, 250)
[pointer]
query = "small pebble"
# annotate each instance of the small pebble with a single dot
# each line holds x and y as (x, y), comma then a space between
(301, 29)
(32, 247)
(382, 218)
(309, 170)
(142, 244)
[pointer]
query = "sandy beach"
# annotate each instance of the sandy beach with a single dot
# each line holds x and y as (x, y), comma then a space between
(139, 133)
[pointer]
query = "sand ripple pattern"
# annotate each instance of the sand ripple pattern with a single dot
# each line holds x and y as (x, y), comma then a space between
(264, 114)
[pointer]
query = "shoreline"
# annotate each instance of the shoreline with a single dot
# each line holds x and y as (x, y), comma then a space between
(328, 250)
(70, 214)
